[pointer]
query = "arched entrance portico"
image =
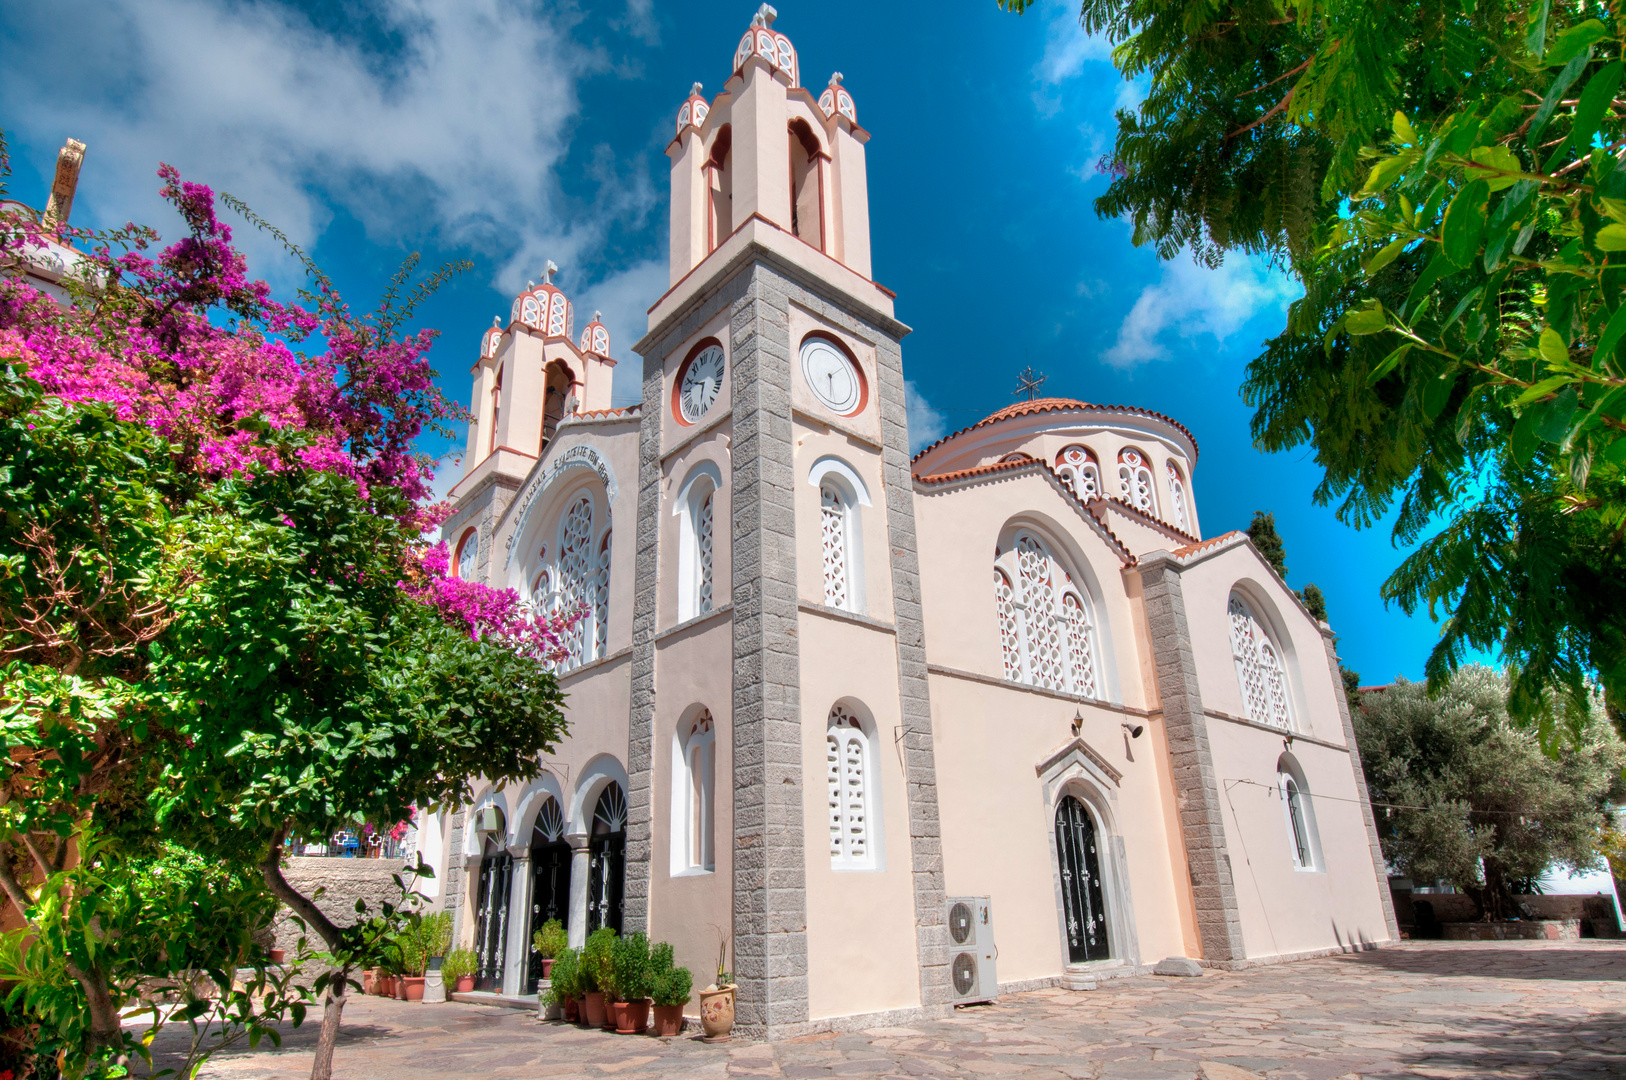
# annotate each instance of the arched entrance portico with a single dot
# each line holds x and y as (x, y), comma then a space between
(491, 912)
(607, 868)
(550, 882)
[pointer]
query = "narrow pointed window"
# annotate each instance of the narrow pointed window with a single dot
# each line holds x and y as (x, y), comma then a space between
(601, 600)
(848, 788)
(833, 529)
(703, 529)
(1135, 482)
(1046, 633)
(1177, 497)
(576, 574)
(1009, 638)
(1080, 472)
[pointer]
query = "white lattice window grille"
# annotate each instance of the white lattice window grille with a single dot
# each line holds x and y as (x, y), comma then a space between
(1080, 472)
(693, 788)
(833, 533)
(1177, 497)
(1260, 672)
(704, 527)
(1047, 636)
(1009, 636)
(848, 783)
(577, 571)
(1135, 481)
(1298, 826)
(467, 549)
(601, 599)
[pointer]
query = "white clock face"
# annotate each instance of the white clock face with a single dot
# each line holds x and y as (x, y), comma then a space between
(831, 376)
(702, 380)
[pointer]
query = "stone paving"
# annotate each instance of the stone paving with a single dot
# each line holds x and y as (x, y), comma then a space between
(1430, 1009)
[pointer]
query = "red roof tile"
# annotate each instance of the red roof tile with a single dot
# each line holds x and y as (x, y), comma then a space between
(1045, 405)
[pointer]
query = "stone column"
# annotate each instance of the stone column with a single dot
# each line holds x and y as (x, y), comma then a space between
(580, 871)
(452, 897)
(1196, 789)
(1379, 866)
(517, 949)
(770, 900)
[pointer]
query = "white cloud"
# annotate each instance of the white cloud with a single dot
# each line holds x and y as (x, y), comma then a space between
(625, 298)
(457, 133)
(1190, 300)
(1068, 48)
(926, 424)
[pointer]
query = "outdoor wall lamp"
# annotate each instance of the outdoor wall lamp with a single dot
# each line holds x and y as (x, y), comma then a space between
(1134, 729)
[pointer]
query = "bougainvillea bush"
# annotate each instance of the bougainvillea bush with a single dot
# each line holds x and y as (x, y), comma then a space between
(221, 625)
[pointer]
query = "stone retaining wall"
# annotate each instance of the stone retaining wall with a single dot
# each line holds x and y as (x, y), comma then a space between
(345, 882)
(1530, 930)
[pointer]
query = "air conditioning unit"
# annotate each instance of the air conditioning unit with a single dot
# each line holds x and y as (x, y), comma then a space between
(971, 950)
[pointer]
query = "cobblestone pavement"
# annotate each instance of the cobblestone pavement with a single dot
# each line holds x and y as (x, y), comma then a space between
(1434, 1009)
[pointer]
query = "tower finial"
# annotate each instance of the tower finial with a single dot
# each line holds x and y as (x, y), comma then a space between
(765, 16)
(598, 316)
(549, 269)
(496, 322)
(1028, 382)
(694, 91)
(835, 78)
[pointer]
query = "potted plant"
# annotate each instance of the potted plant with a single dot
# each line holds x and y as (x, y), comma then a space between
(568, 983)
(458, 970)
(632, 971)
(670, 987)
(598, 970)
(548, 943)
(717, 1001)
(423, 936)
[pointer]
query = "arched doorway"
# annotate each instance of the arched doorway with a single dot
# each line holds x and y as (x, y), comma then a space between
(550, 882)
(607, 868)
(1083, 908)
(491, 912)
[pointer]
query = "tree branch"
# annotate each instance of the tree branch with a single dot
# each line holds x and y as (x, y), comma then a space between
(271, 870)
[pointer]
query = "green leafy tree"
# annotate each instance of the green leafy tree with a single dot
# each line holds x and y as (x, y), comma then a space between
(1466, 796)
(1444, 179)
(1262, 531)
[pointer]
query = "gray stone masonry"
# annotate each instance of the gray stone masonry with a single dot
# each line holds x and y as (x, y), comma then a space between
(1196, 788)
(452, 890)
(1378, 865)
(770, 901)
(345, 882)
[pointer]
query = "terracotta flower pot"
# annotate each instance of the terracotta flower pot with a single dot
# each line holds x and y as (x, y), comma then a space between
(618, 1018)
(593, 1011)
(386, 986)
(547, 967)
(573, 1010)
(668, 1020)
(400, 984)
(465, 983)
(717, 1011)
(412, 988)
(277, 955)
(368, 981)
(636, 1017)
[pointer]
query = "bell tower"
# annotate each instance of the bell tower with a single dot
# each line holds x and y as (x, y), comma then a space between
(773, 366)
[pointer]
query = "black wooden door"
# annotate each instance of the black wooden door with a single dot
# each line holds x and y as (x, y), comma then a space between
(550, 899)
(1082, 906)
(491, 919)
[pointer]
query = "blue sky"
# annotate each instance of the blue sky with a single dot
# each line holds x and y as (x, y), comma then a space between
(512, 133)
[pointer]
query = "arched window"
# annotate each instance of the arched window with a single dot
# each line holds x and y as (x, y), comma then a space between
(696, 510)
(694, 798)
(806, 179)
(833, 518)
(1177, 497)
(1304, 844)
(555, 396)
(1046, 633)
(468, 548)
(720, 188)
(601, 599)
(1260, 672)
(849, 784)
(496, 409)
(1080, 471)
(1135, 481)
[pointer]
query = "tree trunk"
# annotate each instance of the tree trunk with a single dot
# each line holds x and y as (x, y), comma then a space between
(301, 905)
(332, 1010)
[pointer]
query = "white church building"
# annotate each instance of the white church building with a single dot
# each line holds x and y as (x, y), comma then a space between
(901, 732)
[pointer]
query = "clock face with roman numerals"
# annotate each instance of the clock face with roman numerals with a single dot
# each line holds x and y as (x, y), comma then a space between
(702, 380)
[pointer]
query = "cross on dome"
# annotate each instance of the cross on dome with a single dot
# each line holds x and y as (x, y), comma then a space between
(772, 46)
(595, 338)
(694, 110)
(544, 307)
(835, 99)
